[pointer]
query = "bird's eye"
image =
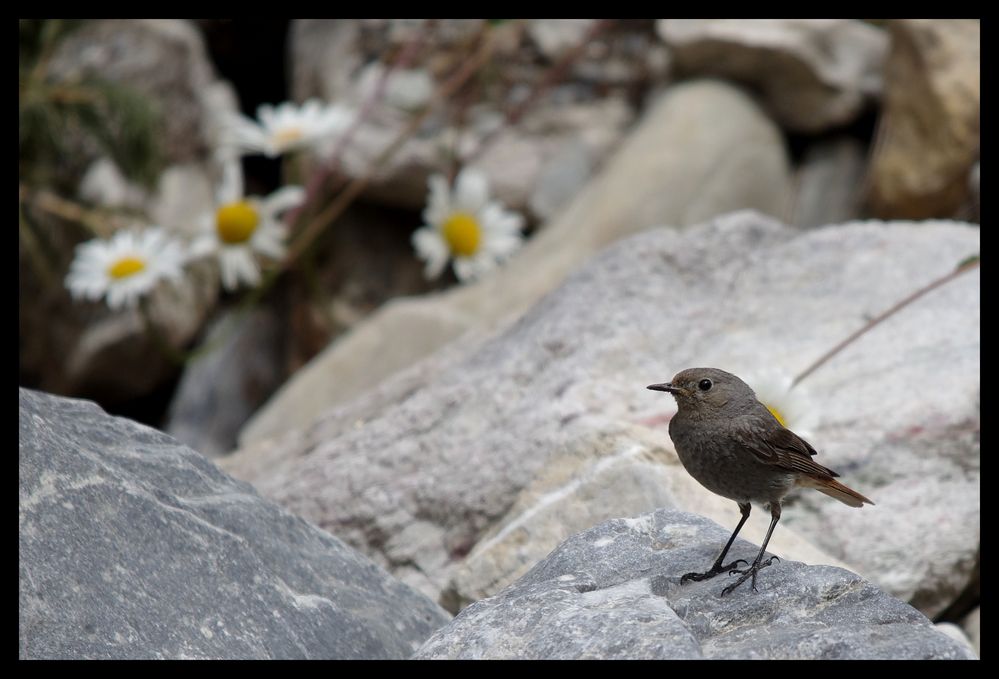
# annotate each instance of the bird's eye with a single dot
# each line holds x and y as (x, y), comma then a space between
(704, 385)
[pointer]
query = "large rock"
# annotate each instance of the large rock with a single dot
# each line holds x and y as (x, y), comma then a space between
(613, 592)
(813, 73)
(613, 472)
(134, 546)
(702, 149)
(165, 59)
(930, 132)
(431, 462)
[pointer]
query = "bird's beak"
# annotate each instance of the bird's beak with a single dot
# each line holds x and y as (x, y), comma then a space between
(665, 386)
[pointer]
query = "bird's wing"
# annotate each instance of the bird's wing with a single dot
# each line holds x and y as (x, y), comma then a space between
(782, 448)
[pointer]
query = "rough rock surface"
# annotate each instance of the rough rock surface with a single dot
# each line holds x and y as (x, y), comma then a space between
(814, 74)
(611, 473)
(613, 592)
(134, 546)
(702, 149)
(426, 465)
(931, 121)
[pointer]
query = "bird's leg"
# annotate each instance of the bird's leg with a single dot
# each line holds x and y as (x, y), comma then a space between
(718, 567)
(758, 563)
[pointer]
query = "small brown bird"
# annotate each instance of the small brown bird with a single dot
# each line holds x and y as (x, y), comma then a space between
(734, 446)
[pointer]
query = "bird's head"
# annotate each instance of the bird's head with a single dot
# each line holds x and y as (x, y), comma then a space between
(707, 390)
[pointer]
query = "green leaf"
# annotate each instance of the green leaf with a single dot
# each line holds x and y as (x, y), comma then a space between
(968, 261)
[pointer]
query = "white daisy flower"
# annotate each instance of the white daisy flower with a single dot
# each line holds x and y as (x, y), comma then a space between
(794, 409)
(286, 127)
(465, 226)
(125, 267)
(241, 227)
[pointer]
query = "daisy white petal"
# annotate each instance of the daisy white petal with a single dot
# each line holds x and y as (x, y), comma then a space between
(464, 269)
(231, 187)
(432, 248)
(243, 133)
(439, 201)
(792, 407)
(465, 226)
(269, 240)
(240, 230)
(471, 190)
(125, 267)
(283, 199)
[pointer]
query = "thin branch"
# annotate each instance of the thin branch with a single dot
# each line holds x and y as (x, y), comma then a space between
(357, 186)
(99, 224)
(553, 76)
(326, 169)
(963, 268)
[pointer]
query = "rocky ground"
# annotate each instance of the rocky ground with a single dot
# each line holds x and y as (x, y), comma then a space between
(738, 194)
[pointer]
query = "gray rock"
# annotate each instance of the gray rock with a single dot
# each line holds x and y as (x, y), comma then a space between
(134, 546)
(702, 149)
(613, 592)
(219, 390)
(115, 356)
(930, 130)
(972, 625)
(814, 74)
(829, 184)
(561, 179)
(456, 439)
(958, 635)
(610, 473)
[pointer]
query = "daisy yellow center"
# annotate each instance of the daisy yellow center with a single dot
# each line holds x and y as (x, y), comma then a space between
(778, 415)
(125, 267)
(462, 233)
(286, 136)
(236, 222)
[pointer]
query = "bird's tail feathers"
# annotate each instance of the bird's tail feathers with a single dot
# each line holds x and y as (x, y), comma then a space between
(834, 488)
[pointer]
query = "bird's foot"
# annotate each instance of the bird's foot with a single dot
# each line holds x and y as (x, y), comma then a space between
(747, 574)
(715, 570)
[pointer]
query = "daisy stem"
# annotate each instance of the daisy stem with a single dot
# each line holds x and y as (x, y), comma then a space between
(322, 174)
(962, 268)
(555, 74)
(357, 186)
(97, 224)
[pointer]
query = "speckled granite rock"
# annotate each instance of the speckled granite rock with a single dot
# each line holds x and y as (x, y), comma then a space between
(613, 592)
(134, 546)
(430, 463)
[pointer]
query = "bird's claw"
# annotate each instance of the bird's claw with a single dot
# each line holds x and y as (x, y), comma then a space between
(715, 570)
(747, 574)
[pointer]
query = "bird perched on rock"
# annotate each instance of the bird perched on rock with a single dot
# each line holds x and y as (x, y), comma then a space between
(735, 447)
